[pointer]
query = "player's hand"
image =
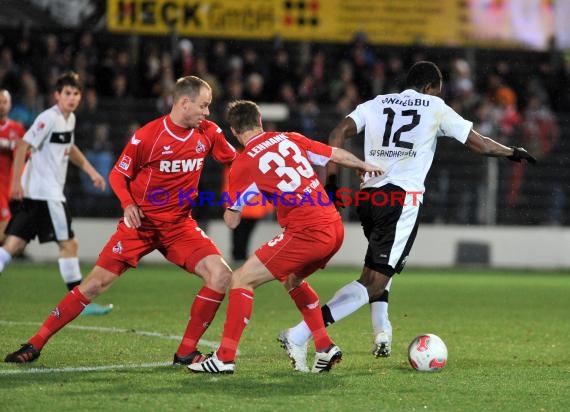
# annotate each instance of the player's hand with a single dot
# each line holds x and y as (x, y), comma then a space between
(369, 172)
(17, 191)
(99, 181)
(372, 170)
(132, 216)
(520, 154)
(331, 188)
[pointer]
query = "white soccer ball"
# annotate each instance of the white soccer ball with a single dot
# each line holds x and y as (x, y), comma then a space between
(427, 353)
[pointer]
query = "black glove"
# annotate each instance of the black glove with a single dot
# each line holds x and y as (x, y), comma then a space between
(519, 154)
(331, 187)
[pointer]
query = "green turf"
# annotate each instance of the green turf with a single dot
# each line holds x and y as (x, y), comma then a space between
(507, 334)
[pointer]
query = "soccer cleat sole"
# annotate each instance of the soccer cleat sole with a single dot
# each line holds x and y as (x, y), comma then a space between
(382, 351)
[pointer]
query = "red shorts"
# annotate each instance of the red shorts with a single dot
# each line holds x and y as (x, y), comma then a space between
(301, 251)
(182, 243)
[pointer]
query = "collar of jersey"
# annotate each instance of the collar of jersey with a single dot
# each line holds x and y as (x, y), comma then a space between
(173, 129)
(254, 138)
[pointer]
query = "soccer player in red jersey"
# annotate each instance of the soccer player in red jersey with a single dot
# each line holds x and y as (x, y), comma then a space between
(278, 166)
(155, 179)
(10, 132)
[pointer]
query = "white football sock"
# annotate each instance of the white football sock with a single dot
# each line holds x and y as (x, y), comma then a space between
(345, 301)
(380, 321)
(5, 258)
(379, 314)
(69, 269)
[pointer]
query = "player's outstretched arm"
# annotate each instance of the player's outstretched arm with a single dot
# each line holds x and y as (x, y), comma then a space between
(347, 159)
(486, 146)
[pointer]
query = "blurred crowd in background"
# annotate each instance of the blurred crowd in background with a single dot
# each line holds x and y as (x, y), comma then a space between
(518, 97)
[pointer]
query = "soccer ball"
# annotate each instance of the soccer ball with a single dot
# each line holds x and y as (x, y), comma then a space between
(427, 353)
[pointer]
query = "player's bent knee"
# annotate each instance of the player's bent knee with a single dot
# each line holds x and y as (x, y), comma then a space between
(68, 247)
(221, 280)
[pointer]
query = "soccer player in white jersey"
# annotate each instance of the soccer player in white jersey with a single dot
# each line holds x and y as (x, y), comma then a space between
(400, 136)
(43, 211)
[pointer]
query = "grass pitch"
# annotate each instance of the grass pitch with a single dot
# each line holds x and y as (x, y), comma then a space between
(507, 334)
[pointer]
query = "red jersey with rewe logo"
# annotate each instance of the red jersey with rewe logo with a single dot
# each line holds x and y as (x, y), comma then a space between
(278, 166)
(164, 163)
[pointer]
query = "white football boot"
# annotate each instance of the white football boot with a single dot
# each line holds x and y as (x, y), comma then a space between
(297, 353)
(382, 347)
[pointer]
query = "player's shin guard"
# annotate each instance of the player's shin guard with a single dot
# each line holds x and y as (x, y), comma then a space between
(240, 306)
(66, 310)
(347, 300)
(307, 302)
(379, 312)
(202, 313)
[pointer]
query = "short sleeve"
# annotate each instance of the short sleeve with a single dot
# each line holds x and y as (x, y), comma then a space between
(222, 150)
(40, 129)
(318, 153)
(128, 160)
(359, 118)
(453, 125)
(241, 186)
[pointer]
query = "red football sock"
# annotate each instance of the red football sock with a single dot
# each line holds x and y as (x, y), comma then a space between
(67, 309)
(202, 313)
(240, 306)
(307, 301)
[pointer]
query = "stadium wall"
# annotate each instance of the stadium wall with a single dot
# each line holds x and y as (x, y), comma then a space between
(534, 247)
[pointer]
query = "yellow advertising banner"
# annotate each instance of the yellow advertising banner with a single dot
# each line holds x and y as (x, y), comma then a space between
(384, 21)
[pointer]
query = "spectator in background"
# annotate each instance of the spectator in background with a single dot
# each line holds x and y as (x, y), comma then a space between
(184, 59)
(233, 90)
(218, 59)
(202, 71)
(29, 103)
(100, 153)
(362, 59)
(253, 64)
(541, 134)
(8, 69)
(150, 72)
(281, 69)
(88, 115)
(254, 88)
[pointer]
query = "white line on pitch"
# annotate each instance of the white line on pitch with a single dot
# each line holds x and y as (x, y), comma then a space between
(85, 368)
(208, 343)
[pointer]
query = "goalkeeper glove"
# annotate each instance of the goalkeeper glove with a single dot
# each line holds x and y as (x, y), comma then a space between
(520, 154)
